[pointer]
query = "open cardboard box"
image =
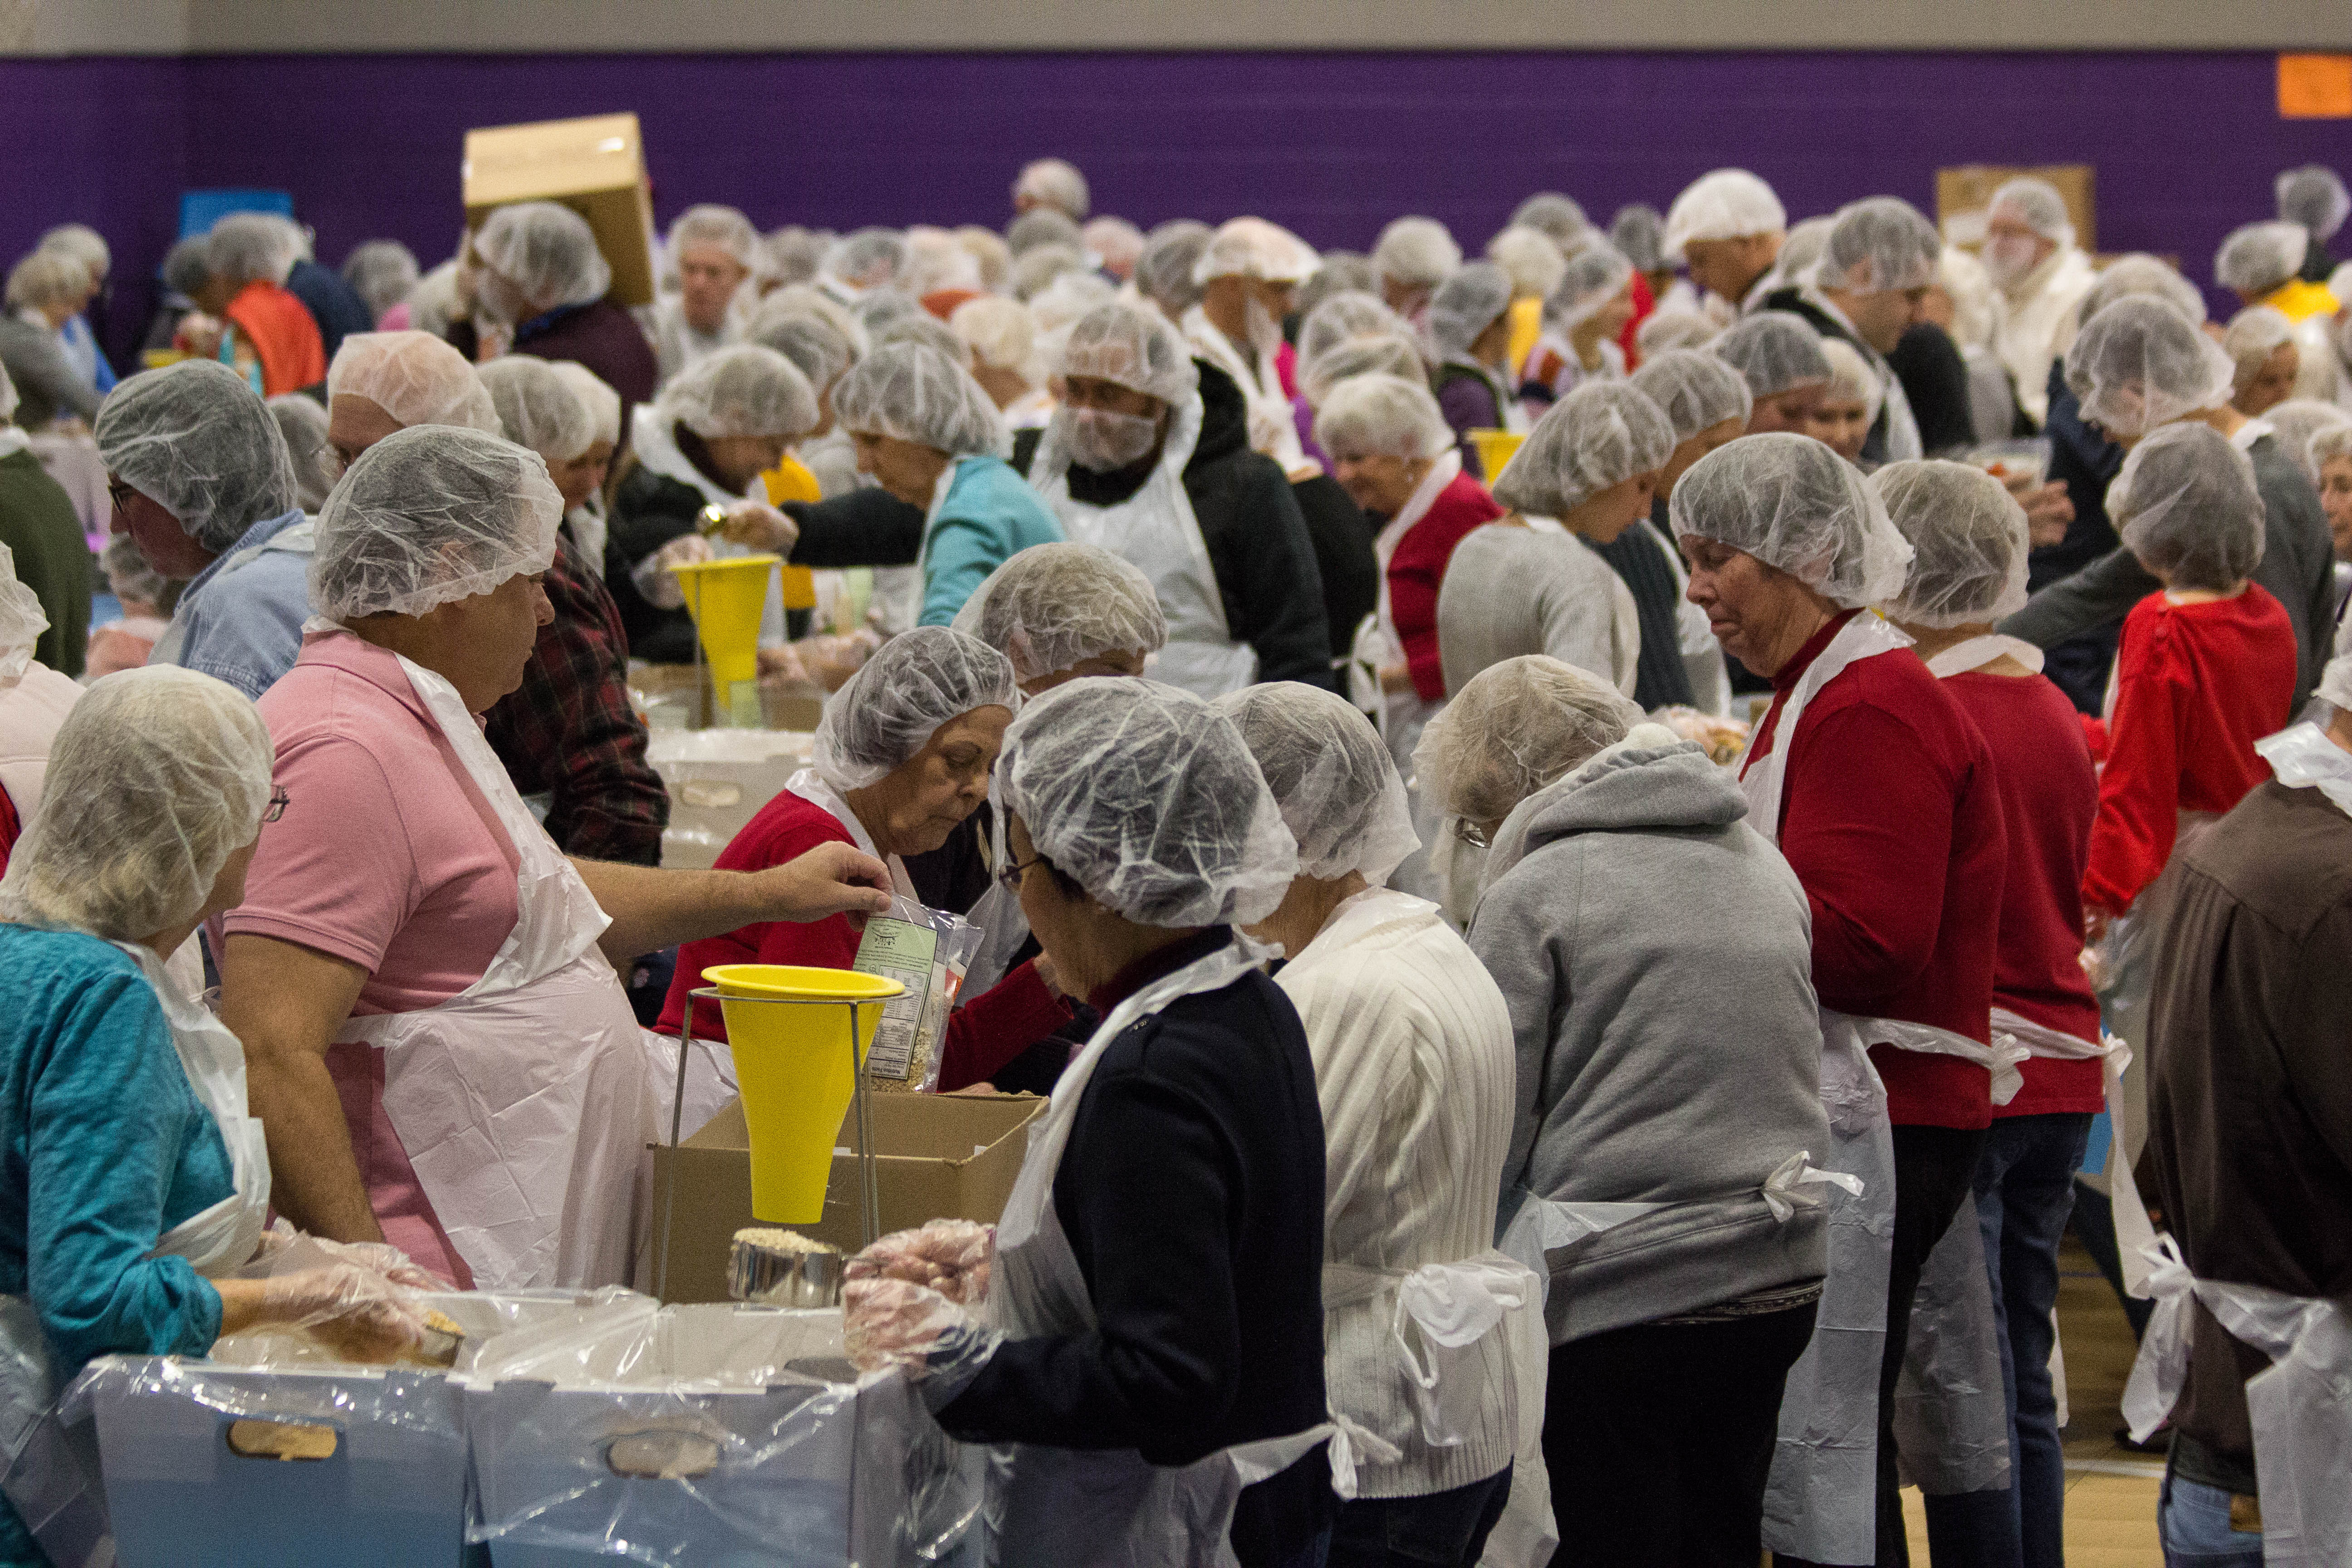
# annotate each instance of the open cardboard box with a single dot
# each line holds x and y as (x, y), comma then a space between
(595, 166)
(938, 1156)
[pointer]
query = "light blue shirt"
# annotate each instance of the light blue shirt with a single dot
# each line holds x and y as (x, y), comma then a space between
(241, 617)
(989, 515)
(81, 348)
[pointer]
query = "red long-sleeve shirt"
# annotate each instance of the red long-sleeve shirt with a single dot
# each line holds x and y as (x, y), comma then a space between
(2196, 686)
(1417, 566)
(982, 1034)
(2048, 794)
(1891, 817)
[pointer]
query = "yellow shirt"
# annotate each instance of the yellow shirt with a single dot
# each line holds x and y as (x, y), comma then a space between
(791, 480)
(1527, 326)
(2300, 299)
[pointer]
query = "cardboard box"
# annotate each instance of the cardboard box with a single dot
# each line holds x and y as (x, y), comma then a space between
(1962, 195)
(940, 1156)
(595, 166)
(718, 780)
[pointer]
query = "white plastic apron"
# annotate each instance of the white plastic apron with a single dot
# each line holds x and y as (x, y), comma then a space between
(295, 539)
(521, 1102)
(1867, 635)
(1155, 530)
(1272, 427)
(1077, 1509)
(655, 441)
(1977, 652)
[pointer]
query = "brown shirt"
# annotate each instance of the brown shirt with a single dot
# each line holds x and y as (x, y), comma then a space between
(2249, 1154)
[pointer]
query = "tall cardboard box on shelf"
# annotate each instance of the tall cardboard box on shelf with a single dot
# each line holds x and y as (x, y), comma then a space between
(595, 166)
(1963, 193)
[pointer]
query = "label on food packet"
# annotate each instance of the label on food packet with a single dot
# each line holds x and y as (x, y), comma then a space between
(901, 951)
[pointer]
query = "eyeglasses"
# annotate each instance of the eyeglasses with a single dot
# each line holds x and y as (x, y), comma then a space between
(1470, 833)
(279, 801)
(118, 495)
(1008, 876)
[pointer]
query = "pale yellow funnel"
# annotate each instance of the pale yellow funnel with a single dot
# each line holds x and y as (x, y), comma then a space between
(1494, 448)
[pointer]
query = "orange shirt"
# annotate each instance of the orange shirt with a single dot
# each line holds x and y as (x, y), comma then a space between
(283, 335)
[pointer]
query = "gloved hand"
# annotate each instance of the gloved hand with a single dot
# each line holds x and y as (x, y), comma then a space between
(949, 1256)
(889, 1323)
(658, 583)
(386, 1262)
(356, 1312)
(761, 527)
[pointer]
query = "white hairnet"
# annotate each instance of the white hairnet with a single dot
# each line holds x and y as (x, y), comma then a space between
(2038, 205)
(1729, 204)
(2140, 364)
(794, 253)
(1694, 391)
(1880, 246)
(1341, 272)
(1474, 298)
(1389, 354)
(22, 619)
(866, 257)
(1852, 379)
(1053, 606)
(1116, 241)
(1774, 351)
(818, 348)
(1370, 414)
(2298, 421)
(1969, 286)
(711, 224)
(1163, 273)
(1416, 250)
(2314, 197)
(428, 516)
(196, 440)
(989, 250)
(915, 392)
(2141, 274)
(245, 246)
(303, 422)
(1969, 544)
(887, 712)
(1351, 313)
(1557, 216)
(1594, 277)
(546, 250)
(8, 397)
(1639, 233)
(1662, 332)
(2186, 505)
(1600, 434)
(1147, 797)
(1054, 182)
(1531, 257)
(432, 304)
(1253, 247)
(155, 778)
(1516, 727)
(922, 327)
(1331, 775)
(1002, 334)
(1135, 348)
(602, 403)
(2260, 256)
(537, 407)
(1068, 297)
(741, 390)
(2253, 335)
(381, 272)
(877, 308)
(1800, 250)
(1793, 503)
(806, 300)
(414, 377)
(1044, 225)
(936, 260)
(1042, 267)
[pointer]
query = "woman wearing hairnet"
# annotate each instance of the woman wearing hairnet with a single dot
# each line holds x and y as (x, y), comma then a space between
(903, 755)
(1411, 1047)
(1848, 404)
(1882, 797)
(1470, 327)
(2261, 343)
(1412, 257)
(1780, 359)
(1969, 542)
(138, 1178)
(714, 251)
(2261, 264)
(533, 270)
(1581, 322)
(1148, 458)
(1657, 1174)
(1151, 1332)
(586, 516)
(446, 974)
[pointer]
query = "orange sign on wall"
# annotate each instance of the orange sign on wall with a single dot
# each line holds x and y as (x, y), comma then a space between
(2314, 87)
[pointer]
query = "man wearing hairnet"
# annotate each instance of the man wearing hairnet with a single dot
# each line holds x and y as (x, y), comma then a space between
(2261, 264)
(2313, 197)
(1875, 268)
(532, 271)
(1726, 228)
(202, 481)
(412, 945)
(1055, 183)
(1412, 256)
(714, 251)
(2137, 366)
(1248, 275)
(1148, 458)
(2043, 275)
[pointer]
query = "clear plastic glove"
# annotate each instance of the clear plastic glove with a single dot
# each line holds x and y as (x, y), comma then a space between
(386, 1262)
(355, 1311)
(658, 583)
(889, 1323)
(759, 526)
(949, 1256)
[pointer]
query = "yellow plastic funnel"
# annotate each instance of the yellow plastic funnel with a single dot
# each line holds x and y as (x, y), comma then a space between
(789, 1032)
(726, 599)
(1495, 449)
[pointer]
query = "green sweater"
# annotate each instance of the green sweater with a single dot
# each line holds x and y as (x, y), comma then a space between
(41, 530)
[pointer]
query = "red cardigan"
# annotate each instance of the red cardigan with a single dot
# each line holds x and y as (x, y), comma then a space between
(1891, 817)
(1418, 566)
(2049, 793)
(2196, 686)
(983, 1033)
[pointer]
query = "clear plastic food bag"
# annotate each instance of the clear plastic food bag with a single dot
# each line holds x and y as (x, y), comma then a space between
(927, 951)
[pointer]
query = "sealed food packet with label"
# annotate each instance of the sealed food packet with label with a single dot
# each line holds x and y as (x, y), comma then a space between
(927, 950)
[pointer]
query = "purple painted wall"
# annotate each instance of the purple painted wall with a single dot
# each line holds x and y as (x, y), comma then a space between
(1332, 144)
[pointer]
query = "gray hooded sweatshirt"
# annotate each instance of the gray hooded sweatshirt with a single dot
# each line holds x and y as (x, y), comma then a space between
(1656, 954)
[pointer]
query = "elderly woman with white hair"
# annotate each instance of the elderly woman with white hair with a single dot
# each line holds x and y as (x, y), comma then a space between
(1053, 183)
(1008, 360)
(2259, 341)
(1469, 327)
(261, 331)
(1411, 258)
(1883, 796)
(1411, 1046)
(140, 1185)
(1780, 359)
(1656, 1166)
(451, 937)
(714, 253)
(1152, 1320)
(533, 270)
(1850, 402)
(46, 289)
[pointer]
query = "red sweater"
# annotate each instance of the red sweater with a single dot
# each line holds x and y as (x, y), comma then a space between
(2196, 686)
(2049, 793)
(983, 1033)
(1417, 567)
(1890, 816)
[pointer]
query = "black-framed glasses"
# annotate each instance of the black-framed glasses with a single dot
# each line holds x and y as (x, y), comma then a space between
(1470, 833)
(279, 801)
(118, 495)
(1008, 876)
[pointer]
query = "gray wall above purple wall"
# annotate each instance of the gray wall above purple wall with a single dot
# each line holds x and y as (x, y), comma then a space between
(1332, 144)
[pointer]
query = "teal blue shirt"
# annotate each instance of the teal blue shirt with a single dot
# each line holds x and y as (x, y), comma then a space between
(989, 516)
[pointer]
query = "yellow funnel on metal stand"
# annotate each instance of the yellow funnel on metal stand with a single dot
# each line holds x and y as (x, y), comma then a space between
(726, 599)
(1494, 448)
